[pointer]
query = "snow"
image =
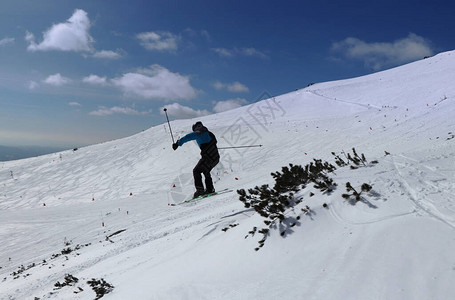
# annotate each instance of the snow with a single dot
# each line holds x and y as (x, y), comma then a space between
(395, 244)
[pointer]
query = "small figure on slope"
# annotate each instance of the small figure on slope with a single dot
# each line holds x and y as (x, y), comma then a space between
(209, 157)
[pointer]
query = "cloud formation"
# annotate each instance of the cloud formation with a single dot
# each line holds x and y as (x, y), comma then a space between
(6, 41)
(105, 111)
(95, 80)
(197, 33)
(235, 87)
(158, 41)
(183, 112)
(221, 106)
(56, 80)
(32, 85)
(380, 55)
(107, 54)
(155, 83)
(72, 35)
(224, 52)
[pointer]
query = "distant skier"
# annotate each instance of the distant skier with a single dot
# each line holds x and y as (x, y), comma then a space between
(210, 157)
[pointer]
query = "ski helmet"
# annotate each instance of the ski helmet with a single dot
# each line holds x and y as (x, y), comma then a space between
(198, 127)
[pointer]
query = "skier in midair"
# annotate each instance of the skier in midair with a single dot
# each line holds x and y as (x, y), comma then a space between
(209, 157)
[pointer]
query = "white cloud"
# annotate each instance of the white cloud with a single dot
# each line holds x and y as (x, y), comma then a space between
(235, 87)
(224, 52)
(159, 41)
(205, 34)
(95, 80)
(156, 82)
(252, 52)
(56, 80)
(74, 104)
(379, 55)
(6, 41)
(107, 54)
(221, 106)
(218, 85)
(72, 35)
(32, 85)
(183, 112)
(197, 33)
(104, 111)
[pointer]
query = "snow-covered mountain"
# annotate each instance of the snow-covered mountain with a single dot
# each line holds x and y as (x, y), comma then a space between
(104, 211)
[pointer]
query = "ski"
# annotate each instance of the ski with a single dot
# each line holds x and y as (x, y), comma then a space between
(224, 191)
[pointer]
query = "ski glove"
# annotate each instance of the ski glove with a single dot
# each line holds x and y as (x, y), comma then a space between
(175, 146)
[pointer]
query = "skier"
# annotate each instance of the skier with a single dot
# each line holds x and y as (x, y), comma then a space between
(209, 157)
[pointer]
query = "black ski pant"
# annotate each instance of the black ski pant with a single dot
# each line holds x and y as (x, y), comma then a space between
(204, 166)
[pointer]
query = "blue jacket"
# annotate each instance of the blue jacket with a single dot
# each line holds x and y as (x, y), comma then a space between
(206, 142)
(202, 138)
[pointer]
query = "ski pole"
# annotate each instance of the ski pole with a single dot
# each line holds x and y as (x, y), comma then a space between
(170, 129)
(236, 147)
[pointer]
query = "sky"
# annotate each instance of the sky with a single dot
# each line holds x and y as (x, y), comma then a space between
(75, 73)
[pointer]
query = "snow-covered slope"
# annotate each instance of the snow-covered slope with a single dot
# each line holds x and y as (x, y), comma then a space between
(108, 205)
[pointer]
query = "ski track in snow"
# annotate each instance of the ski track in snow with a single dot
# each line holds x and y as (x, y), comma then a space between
(318, 93)
(429, 189)
(183, 218)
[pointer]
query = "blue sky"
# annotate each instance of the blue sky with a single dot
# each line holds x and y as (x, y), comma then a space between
(74, 73)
